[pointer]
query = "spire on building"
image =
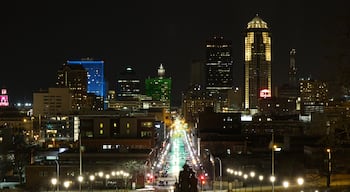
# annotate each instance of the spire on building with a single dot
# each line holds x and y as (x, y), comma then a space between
(161, 71)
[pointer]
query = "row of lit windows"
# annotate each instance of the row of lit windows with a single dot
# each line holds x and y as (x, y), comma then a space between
(218, 46)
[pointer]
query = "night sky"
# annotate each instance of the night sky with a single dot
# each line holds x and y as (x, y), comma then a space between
(38, 37)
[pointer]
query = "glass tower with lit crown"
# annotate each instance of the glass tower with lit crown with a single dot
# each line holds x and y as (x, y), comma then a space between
(218, 64)
(257, 58)
(159, 88)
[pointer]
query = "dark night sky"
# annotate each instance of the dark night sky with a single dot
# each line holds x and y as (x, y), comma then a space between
(38, 37)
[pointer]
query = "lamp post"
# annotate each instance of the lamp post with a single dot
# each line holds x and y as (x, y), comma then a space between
(273, 161)
(300, 181)
(213, 164)
(252, 175)
(261, 178)
(66, 184)
(229, 184)
(80, 162)
(54, 183)
(80, 179)
(245, 176)
(57, 174)
(285, 184)
(329, 167)
(92, 178)
(272, 179)
(220, 171)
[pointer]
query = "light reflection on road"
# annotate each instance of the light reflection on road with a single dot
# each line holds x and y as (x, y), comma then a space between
(176, 153)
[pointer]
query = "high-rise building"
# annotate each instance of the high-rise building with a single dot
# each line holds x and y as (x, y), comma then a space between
(128, 85)
(313, 95)
(219, 69)
(197, 73)
(257, 57)
(95, 73)
(75, 78)
(159, 88)
(292, 72)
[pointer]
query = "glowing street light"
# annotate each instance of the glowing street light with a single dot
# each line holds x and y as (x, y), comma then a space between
(273, 179)
(92, 178)
(285, 184)
(300, 181)
(54, 183)
(252, 175)
(245, 176)
(80, 179)
(329, 169)
(261, 178)
(66, 184)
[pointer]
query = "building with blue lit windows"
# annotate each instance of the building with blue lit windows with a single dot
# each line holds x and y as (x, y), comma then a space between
(95, 72)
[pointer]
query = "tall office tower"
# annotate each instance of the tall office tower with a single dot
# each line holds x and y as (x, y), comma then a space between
(197, 74)
(292, 72)
(75, 78)
(219, 69)
(257, 57)
(313, 95)
(128, 85)
(159, 88)
(95, 73)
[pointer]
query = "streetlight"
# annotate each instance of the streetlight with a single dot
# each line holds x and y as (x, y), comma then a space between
(300, 181)
(107, 177)
(92, 178)
(80, 179)
(54, 183)
(285, 184)
(126, 175)
(66, 184)
(245, 176)
(261, 178)
(57, 174)
(329, 169)
(272, 179)
(220, 171)
(252, 175)
(230, 171)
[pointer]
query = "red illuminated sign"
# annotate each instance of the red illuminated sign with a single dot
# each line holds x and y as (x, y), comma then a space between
(265, 93)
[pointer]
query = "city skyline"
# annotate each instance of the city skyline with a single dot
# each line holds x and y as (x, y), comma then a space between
(41, 37)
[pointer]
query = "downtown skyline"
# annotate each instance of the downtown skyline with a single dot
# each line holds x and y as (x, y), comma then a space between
(145, 35)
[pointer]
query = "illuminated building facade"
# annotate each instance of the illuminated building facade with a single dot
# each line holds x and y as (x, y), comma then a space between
(219, 75)
(75, 78)
(313, 95)
(128, 85)
(95, 74)
(257, 57)
(4, 100)
(159, 88)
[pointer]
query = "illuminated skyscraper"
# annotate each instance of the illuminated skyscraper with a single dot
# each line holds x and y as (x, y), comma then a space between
(292, 73)
(257, 72)
(75, 78)
(219, 64)
(128, 85)
(159, 88)
(95, 73)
